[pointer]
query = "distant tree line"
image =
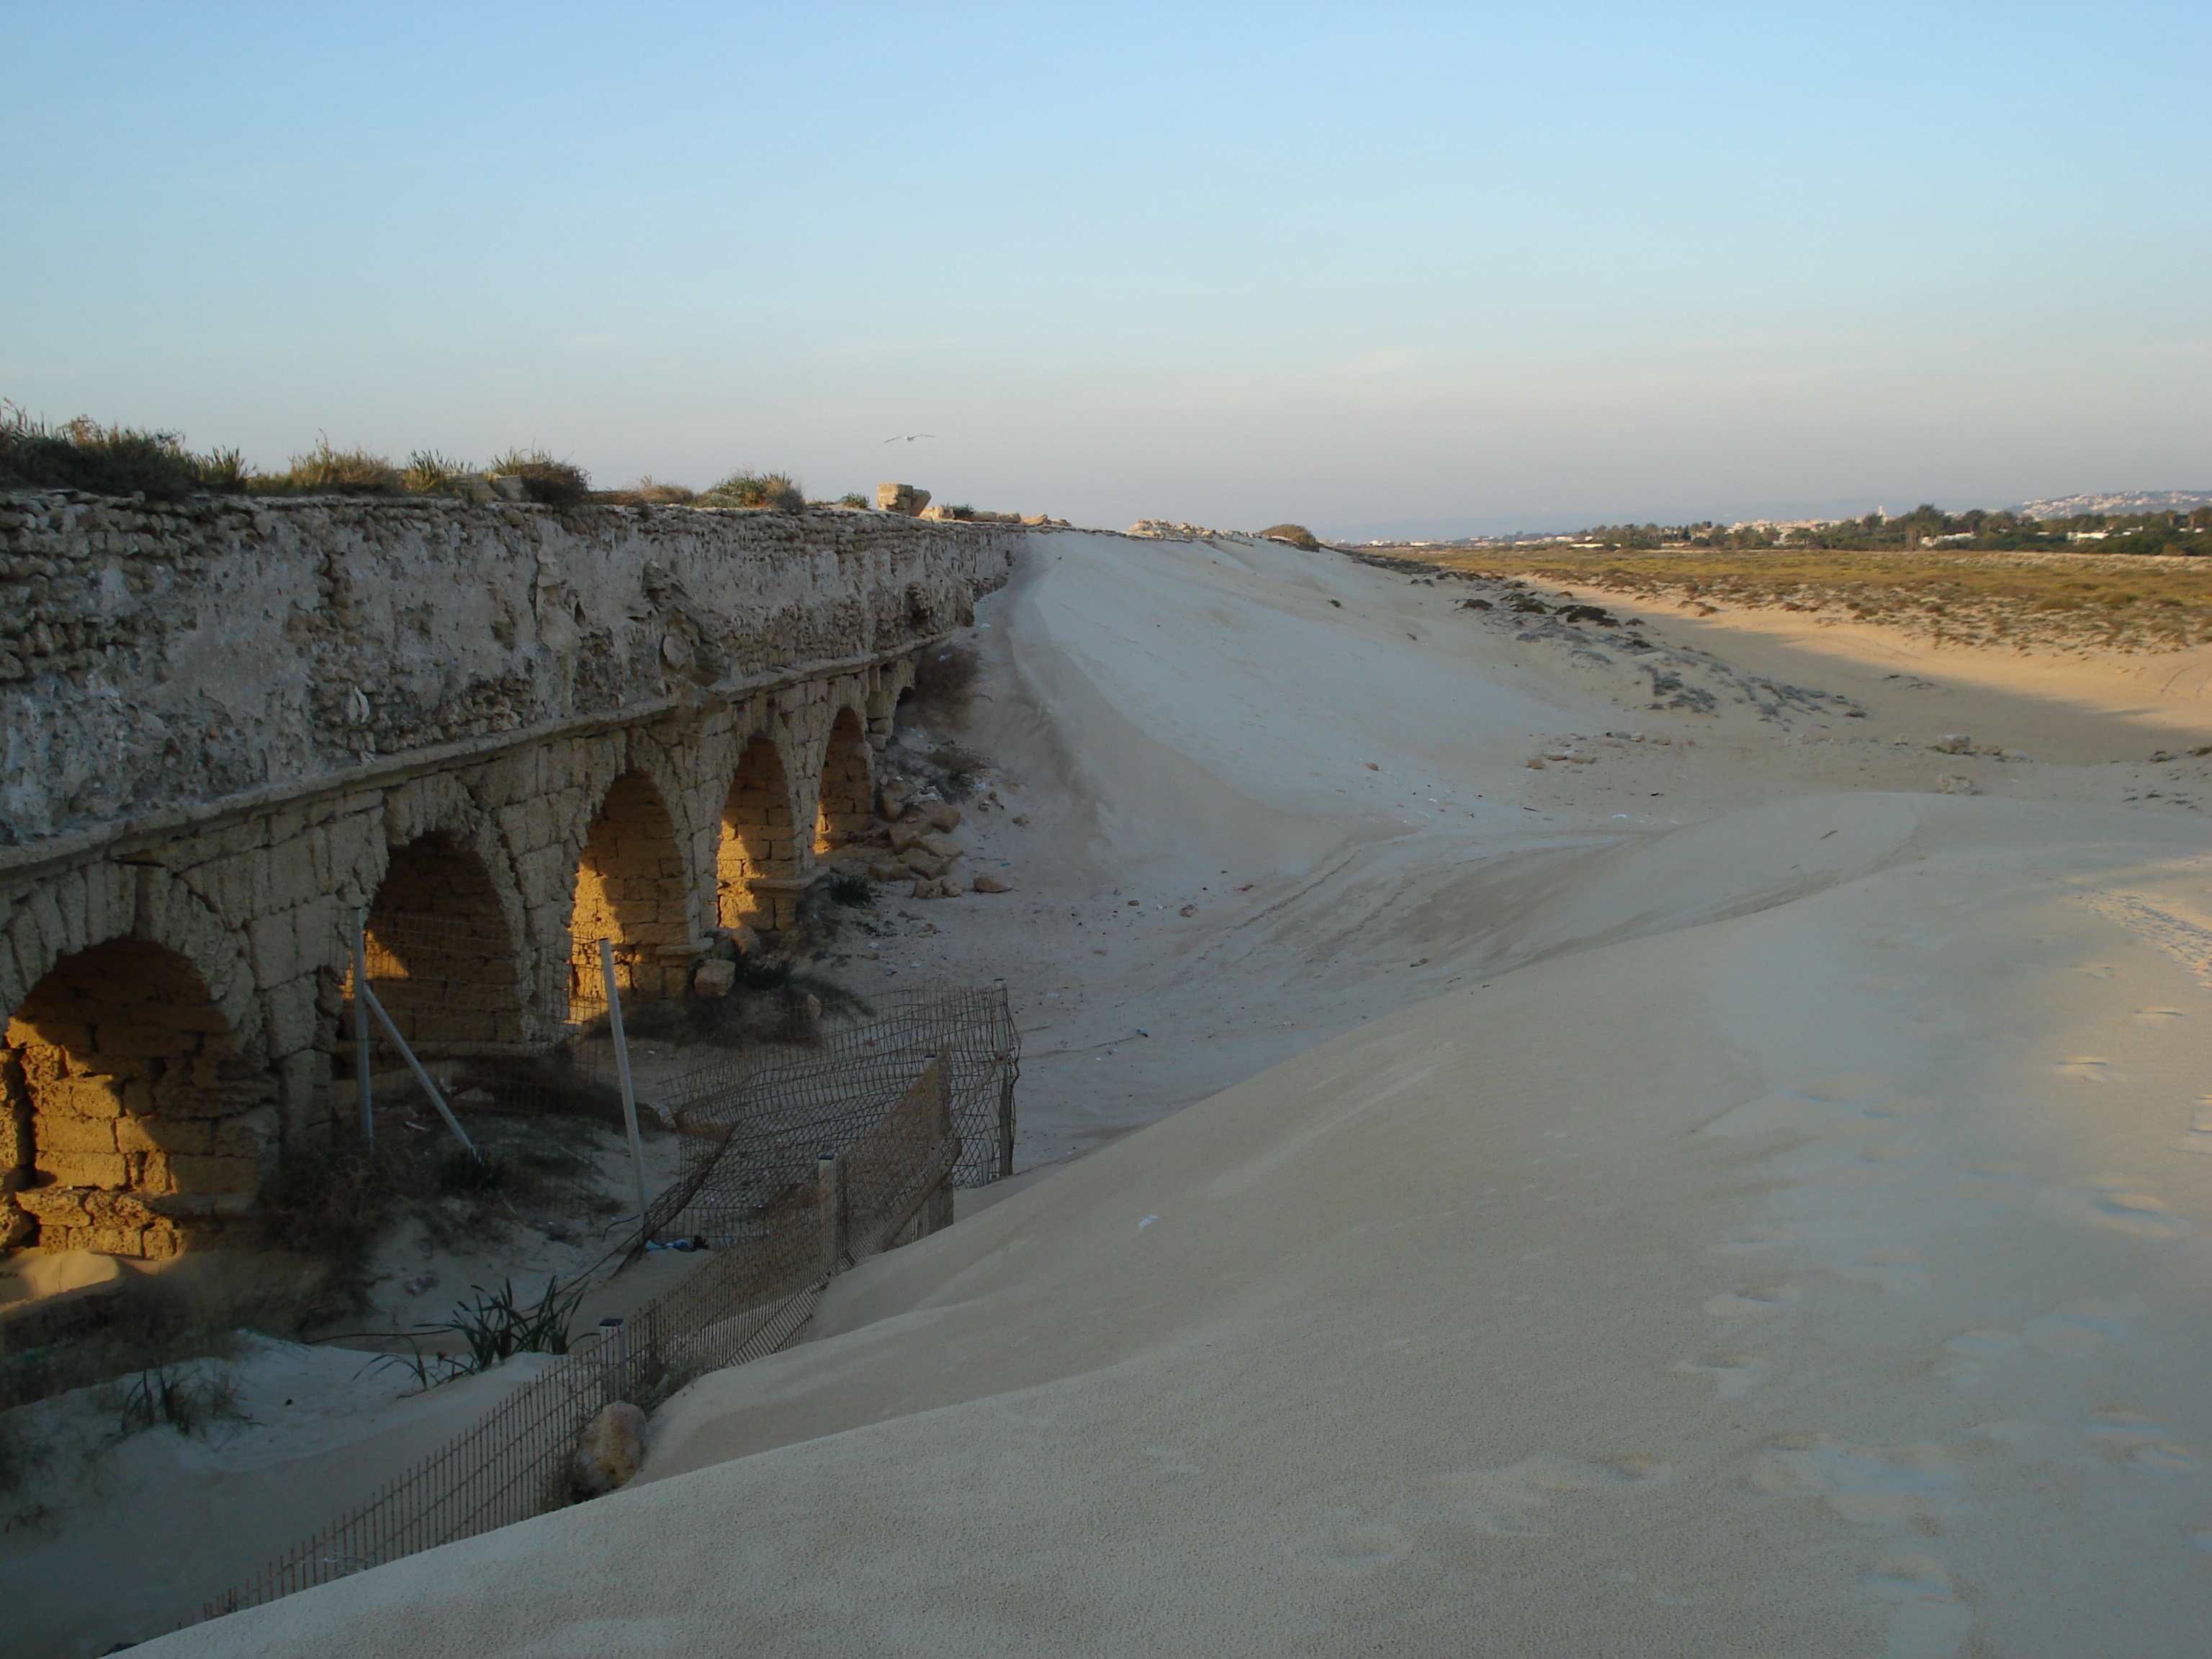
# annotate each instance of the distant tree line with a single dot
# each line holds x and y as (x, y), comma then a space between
(1927, 524)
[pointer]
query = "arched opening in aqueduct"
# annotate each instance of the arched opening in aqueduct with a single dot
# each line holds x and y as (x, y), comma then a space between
(629, 887)
(442, 958)
(843, 812)
(758, 857)
(133, 1124)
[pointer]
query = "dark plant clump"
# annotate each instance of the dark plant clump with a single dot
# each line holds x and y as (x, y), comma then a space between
(750, 489)
(545, 480)
(1297, 534)
(853, 498)
(109, 460)
(959, 769)
(849, 888)
(464, 1172)
(944, 684)
(165, 1396)
(495, 1328)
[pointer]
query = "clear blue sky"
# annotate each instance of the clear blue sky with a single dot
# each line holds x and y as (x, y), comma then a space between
(1433, 267)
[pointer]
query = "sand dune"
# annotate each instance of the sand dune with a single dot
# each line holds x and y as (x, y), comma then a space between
(1779, 1232)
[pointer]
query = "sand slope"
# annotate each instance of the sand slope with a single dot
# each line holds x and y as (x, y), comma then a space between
(1788, 1237)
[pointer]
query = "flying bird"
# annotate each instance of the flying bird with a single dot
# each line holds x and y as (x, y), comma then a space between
(910, 437)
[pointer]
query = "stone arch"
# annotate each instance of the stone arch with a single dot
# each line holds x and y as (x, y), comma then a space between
(442, 957)
(844, 810)
(630, 889)
(134, 1124)
(756, 858)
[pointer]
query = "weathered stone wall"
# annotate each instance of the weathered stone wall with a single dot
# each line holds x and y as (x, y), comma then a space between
(153, 656)
(502, 731)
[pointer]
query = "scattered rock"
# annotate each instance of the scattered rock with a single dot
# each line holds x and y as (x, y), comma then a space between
(989, 885)
(1535, 762)
(891, 800)
(1371, 766)
(1955, 783)
(903, 836)
(937, 846)
(927, 888)
(714, 978)
(419, 1283)
(1955, 743)
(609, 1455)
(952, 887)
(1187, 910)
(941, 815)
(886, 870)
(1021, 820)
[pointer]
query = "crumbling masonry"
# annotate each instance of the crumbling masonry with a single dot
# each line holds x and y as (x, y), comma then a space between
(501, 731)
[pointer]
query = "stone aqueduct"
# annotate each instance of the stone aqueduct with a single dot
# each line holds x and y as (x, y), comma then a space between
(226, 725)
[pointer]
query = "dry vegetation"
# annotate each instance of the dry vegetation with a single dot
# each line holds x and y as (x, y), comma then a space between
(2062, 601)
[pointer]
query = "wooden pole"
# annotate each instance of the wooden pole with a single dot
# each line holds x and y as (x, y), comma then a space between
(364, 1049)
(622, 1071)
(422, 1077)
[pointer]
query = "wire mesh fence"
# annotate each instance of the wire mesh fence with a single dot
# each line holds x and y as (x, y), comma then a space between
(807, 1164)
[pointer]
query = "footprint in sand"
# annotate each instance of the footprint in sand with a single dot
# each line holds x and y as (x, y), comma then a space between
(1852, 1086)
(1895, 1272)
(1365, 1548)
(2198, 1138)
(2082, 1327)
(1750, 1304)
(1893, 1487)
(2123, 1430)
(1899, 1108)
(1754, 1239)
(2087, 1068)
(1890, 1151)
(2113, 1205)
(1926, 1620)
(1968, 1355)
(2154, 1019)
(1510, 1501)
(2097, 970)
(1735, 1373)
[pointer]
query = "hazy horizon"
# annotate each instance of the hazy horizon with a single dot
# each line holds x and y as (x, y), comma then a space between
(1450, 266)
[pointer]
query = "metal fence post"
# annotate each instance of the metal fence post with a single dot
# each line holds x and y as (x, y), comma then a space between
(364, 1050)
(832, 1176)
(615, 1333)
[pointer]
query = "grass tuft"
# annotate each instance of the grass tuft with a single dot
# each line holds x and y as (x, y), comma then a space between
(109, 460)
(850, 890)
(1297, 534)
(750, 489)
(545, 480)
(324, 470)
(427, 472)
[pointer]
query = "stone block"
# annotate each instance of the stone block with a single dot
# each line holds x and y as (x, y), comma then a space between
(215, 1175)
(83, 1168)
(75, 1134)
(100, 1097)
(152, 1042)
(165, 1134)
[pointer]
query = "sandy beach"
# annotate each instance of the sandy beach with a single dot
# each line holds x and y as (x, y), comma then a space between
(1530, 1146)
